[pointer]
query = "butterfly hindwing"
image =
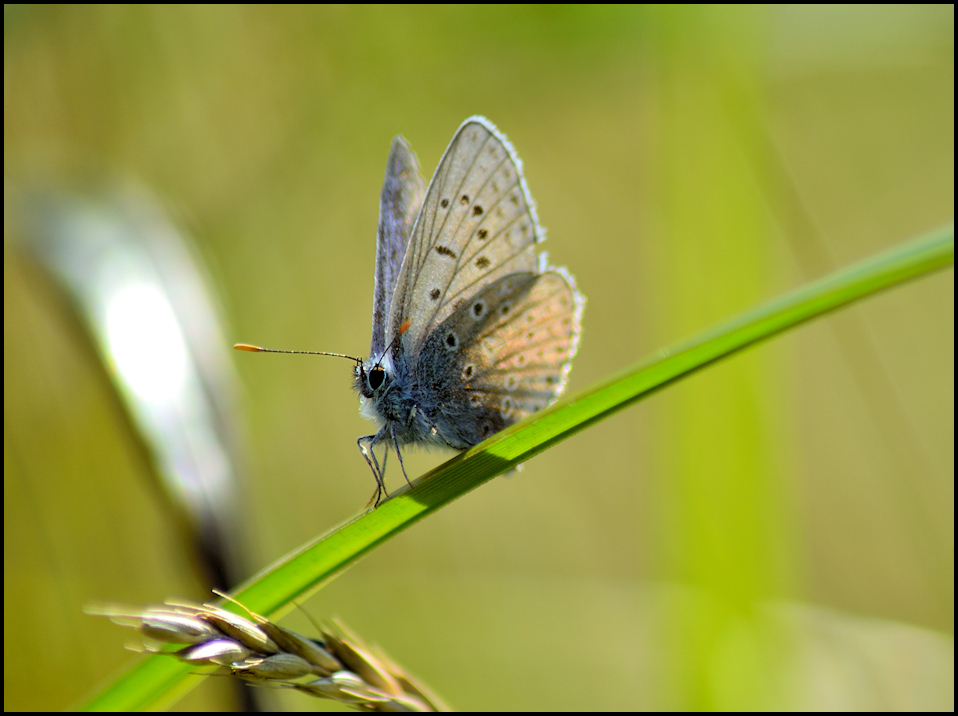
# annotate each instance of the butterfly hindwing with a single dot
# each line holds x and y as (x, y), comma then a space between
(403, 190)
(502, 355)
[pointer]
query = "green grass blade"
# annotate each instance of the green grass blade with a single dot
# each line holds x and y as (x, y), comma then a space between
(156, 680)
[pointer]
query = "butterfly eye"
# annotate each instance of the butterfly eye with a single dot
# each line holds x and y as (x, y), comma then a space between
(377, 376)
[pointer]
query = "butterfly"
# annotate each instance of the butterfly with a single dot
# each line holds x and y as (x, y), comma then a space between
(472, 330)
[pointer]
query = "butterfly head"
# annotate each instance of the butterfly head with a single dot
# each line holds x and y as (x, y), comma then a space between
(370, 377)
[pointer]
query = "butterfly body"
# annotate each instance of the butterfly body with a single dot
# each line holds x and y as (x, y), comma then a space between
(472, 330)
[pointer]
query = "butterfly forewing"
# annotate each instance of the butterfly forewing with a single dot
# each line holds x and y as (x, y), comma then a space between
(477, 224)
(403, 190)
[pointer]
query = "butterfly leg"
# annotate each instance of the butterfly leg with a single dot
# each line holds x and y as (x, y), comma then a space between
(399, 454)
(366, 447)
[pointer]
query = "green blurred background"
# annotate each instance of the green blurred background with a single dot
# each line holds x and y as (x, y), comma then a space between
(697, 550)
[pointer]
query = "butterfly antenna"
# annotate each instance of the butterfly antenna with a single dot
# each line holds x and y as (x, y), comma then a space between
(259, 349)
(402, 329)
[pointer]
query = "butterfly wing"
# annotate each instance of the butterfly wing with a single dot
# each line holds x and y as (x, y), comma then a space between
(488, 327)
(477, 224)
(523, 353)
(502, 355)
(403, 191)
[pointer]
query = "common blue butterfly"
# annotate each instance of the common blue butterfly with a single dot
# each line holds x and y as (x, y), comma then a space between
(472, 329)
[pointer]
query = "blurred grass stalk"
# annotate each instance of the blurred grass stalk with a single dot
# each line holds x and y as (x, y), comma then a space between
(726, 655)
(727, 527)
(728, 530)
